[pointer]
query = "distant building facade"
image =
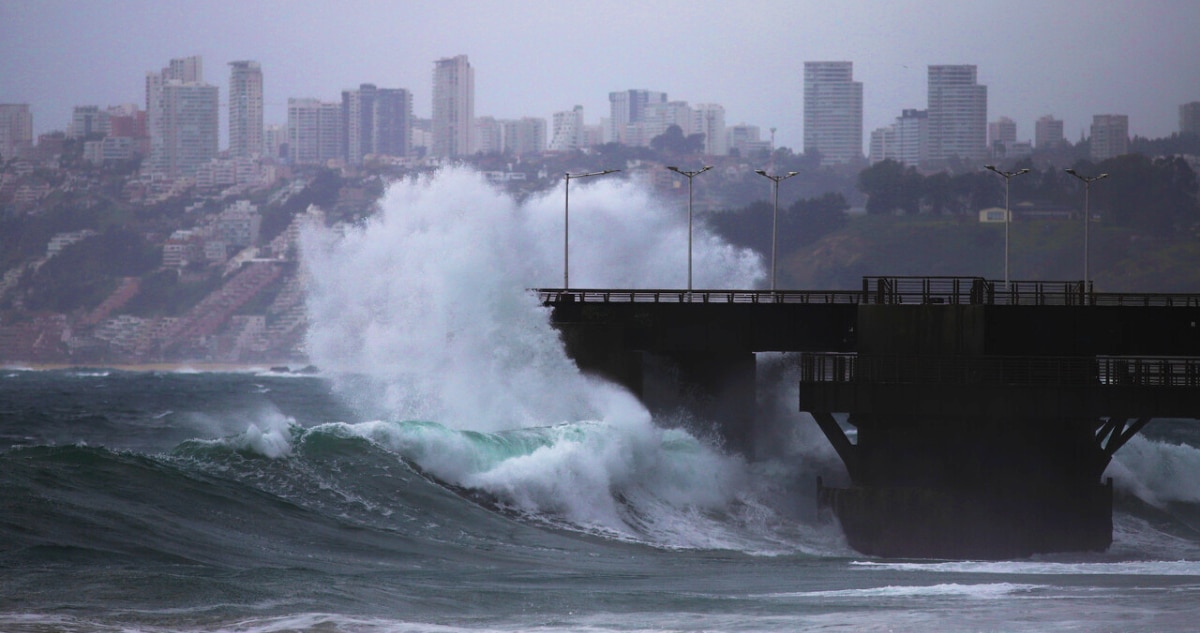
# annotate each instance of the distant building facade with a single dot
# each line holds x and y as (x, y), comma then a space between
(1002, 131)
(627, 109)
(87, 121)
(1189, 118)
(658, 117)
(314, 131)
(1048, 132)
(453, 107)
(957, 113)
(747, 140)
(568, 134)
(833, 112)
(184, 118)
(16, 129)
(709, 119)
(905, 141)
(1110, 136)
(489, 135)
(376, 121)
(882, 145)
(525, 136)
(245, 109)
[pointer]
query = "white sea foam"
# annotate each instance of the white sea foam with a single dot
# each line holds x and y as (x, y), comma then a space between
(423, 313)
(1039, 568)
(982, 591)
(1157, 472)
(428, 301)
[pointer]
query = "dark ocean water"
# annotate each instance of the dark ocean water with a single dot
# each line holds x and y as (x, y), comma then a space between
(243, 502)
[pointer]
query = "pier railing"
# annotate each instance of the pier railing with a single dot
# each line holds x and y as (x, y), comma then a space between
(1008, 370)
(551, 297)
(892, 291)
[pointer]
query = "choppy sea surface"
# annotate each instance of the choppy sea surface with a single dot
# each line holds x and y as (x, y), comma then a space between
(133, 501)
(452, 470)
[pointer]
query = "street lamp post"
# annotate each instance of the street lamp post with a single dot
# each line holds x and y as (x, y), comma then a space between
(689, 175)
(1007, 212)
(774, 216)
(567, 218)
(1087, 215)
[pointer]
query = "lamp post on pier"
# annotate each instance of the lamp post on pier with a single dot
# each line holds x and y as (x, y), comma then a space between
(1007, 175)
(689, 175)
(1087, 215)
(774, 216)
(567, 176)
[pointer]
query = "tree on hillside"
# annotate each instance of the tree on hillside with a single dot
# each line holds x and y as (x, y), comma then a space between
(749, 227)
(1157, 195)
(891, 187)
(937, 194)
(672, 142)
(802, 223)
(83, 274)
(810, 219)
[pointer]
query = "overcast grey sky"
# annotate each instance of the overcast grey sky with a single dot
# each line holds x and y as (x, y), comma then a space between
(1068, 58)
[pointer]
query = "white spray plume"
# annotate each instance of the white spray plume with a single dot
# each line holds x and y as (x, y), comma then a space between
(427, 302)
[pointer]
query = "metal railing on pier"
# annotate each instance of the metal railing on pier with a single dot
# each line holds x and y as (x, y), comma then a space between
(551, 297)
(1156, 371)
(892, 291)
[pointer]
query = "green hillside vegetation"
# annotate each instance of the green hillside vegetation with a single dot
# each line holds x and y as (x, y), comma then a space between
(1122, 260)
(1143, 236)
(86, 272)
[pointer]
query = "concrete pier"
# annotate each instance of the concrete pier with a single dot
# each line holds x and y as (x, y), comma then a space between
(982, 417)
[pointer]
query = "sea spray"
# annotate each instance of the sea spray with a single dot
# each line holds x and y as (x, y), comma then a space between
(427, 304)
(424, 313)
(1157, 472)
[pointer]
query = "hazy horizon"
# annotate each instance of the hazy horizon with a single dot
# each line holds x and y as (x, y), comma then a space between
(1069, 59)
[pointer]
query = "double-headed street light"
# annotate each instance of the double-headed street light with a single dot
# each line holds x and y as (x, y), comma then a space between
(567, 217)
(774, 216)
(1087, 215)
(1007, 212)
(689, 175)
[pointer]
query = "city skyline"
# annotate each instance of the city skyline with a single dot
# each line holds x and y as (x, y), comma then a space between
(1066, 59)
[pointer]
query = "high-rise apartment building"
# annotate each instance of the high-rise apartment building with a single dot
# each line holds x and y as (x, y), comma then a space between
(183, 114)
(16, 129)
(747, 140)
(658, 117)
(627, 109)
(376, 121)
(905, 141)
(1002, 131)
(315, 131)
(525, 136)
(489, 135)
(833, 112)
(912, 137)
(1110, 136)
(184, 70)
(957, 114)
(275, 142)
(709, 119)
(245, 109)
(882, 145)
(87, 121)
(190, 127)
(393, 122)
(453, 107)
(568, 131)
(1189, 118)
(1048, 132)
